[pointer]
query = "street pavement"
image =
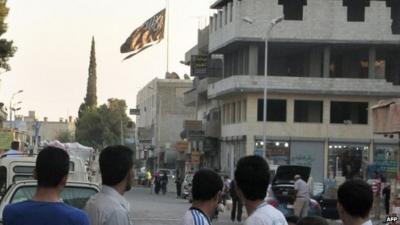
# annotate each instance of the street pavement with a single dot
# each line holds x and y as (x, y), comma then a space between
(150, 209)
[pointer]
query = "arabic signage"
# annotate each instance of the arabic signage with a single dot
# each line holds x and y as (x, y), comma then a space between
(182, 146)
(198, 65)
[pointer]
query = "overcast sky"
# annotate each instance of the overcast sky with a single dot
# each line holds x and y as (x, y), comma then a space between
(53, 39)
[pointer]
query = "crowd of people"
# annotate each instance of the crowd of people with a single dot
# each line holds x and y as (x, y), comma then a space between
(248, 189)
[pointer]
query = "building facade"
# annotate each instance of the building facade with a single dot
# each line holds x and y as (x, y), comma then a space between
(329, 62)
(160, 121)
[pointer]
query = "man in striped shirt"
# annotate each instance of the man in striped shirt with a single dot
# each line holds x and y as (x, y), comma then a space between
(206, 191)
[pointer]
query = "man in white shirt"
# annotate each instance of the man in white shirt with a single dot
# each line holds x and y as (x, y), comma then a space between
(302, 202)
(252, 179)
(206, 192)
(109, 207)
(354, 203)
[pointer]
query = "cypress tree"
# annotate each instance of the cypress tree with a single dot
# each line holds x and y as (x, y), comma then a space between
(91, 98)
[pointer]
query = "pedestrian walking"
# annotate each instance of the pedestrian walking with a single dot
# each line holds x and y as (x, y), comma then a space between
(312, 220)
(206, 192)
(386, 197)
(178, 183)
(237, 206)
(148, 178)
(354, 202)
(51, 172)
(109, 207)
(252, 179)
(302, 197)
(164, 182)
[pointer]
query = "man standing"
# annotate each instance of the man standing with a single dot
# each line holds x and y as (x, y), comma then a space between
(206, 191)
(252, 179)
(377, 189)
(355, 199)
(109, 207)
(302, 193)
(46, 206)
(237, 205)
(178, 183)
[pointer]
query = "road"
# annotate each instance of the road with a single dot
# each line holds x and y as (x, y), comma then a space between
(151, 209)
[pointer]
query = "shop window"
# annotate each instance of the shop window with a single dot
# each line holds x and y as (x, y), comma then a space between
(293, 9)
(348, 160)
(385, 161)
(356, 10)
(276, 110)
(349, 112)
(308, 111)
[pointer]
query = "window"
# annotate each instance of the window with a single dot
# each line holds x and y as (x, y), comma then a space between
(349, 112)
(233, 114)
(3, 179)
(308, 111)
(244, 108)
(276, 110)
(293, 9)
(238, 111)
(356, 10)
(231, 10)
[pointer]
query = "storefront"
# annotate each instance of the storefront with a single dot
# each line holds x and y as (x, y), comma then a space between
(309, 153)
(278, 151)
(385, 160)
(348, 159)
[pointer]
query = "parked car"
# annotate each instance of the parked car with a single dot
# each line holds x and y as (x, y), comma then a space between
(75, 194)
(170, 173)
(281, 192)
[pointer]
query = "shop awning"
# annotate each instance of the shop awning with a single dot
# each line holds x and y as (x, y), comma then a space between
(386, 116)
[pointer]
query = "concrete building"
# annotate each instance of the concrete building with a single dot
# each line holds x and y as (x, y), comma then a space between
(47, 130)
(329, 62)
(160, 123)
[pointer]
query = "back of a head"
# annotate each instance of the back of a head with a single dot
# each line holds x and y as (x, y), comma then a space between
(52, 165)
(252, 177)
(115, 162)
(356, 198)
(15, 145)
(292, 219)
(205, 185)
(312, 220)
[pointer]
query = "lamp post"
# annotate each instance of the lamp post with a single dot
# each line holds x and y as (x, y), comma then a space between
(271, 25)
(11, 100)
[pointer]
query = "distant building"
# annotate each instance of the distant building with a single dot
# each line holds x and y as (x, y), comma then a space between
(47, 130)
(160, 121)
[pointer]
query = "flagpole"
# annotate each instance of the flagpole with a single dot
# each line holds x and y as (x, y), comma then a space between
(167, 9)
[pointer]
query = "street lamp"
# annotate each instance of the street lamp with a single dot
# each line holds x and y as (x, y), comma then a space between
(271, 25)
(12, 98)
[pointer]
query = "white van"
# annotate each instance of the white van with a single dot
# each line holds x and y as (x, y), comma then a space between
(15, 168)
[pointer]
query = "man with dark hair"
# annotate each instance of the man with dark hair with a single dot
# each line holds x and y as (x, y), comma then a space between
(355, 199)
(312, 220)
(51, 172)
(206, 191)
(109, 207)
(252, 180)
(14, 150)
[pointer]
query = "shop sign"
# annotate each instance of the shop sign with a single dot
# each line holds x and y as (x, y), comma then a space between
(192, 125)
(182, 146)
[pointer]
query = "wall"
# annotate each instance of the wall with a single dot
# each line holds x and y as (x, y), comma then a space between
(323, 21)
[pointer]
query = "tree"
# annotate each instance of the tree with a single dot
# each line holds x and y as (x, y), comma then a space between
(101, 126)
(91, 98)
(7, 49)
(65, 136)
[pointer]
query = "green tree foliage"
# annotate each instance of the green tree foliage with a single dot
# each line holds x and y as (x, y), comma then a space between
(65, 136)
(7, 49)
(101, 126)
(91, 97)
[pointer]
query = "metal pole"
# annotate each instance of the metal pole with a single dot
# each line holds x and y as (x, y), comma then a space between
(265, 94)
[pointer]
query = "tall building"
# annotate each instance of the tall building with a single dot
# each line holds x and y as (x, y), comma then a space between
(328, 63)
(160, 122)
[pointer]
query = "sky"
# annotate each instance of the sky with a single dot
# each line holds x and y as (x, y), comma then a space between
(53, 38)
